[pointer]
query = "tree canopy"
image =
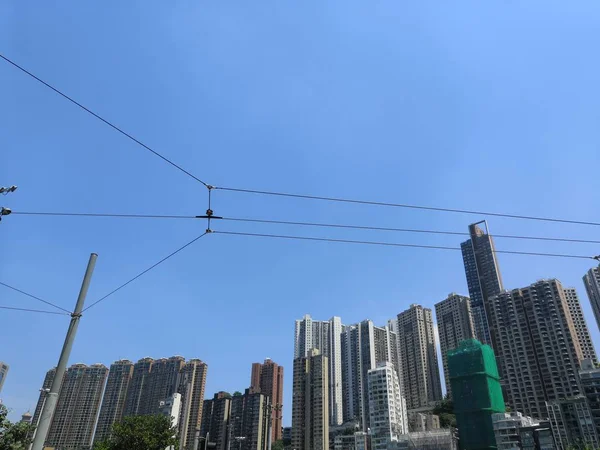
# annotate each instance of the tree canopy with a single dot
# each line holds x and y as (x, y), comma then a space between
(141, 433)
(13, 436)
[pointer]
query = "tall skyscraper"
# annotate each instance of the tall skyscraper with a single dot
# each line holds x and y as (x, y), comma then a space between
(310, 402)
(455, 324)
(387, 407)
(191, 385)
(477, 393)
(363, 347)
(418, 357)
(535, 343)
(215, 420)
(78, 406)
(113, 401)
(267, 378)
(162, 383)
(592, 286)
(139, 380)
(483, 275)
(325, 336)
(586, 347)
(3, 372)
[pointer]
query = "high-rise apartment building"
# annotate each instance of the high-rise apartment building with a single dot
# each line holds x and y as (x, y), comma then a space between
(215, 420)
(477, 393)
(387, 407)
(310, 402)
(586, 347)
(325, 336)
(592, 286)
(455, 324)
(113, 401)
(364, 345)
(78, 406)
(137, 384)
(3, 372)
(267, 378)
(535, 344)
(483, 275)
(162, 383)
(418, 357)
(249, 421)
(191, 385)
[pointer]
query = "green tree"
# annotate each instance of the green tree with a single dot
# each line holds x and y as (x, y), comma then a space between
(445, 410)
(141, 433)
(277, 445)
(13, 436)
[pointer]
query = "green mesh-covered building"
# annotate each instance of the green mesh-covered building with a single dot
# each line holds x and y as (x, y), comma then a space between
(476, 393)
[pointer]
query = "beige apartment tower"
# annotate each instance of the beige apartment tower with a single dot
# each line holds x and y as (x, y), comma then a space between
(586, 346)
(78, 406)
(191, 386)
(418, 357)
(536, 346)
(455, 324)
(267, 378)
(113, 401)
(310, 402)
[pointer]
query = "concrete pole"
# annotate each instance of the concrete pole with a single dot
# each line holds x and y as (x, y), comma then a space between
(52, 396)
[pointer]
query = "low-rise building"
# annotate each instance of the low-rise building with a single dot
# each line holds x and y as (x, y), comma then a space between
(572, 422)
(418, 421)
(511, 429)
(443, 439)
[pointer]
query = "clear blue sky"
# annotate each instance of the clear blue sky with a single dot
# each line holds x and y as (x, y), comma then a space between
(481, 105)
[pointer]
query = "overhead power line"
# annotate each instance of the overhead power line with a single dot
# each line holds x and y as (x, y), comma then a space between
(393, 244)
(401, 205)
(144, 271)
(404, 230)
(110, 124)
(125, 216)
(35, 298)
(307, 224)
(34, 310)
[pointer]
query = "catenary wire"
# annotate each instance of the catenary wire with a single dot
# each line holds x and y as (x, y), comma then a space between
(144, 272)
(34, 310)
(405, 230)
(309, 224)
(401, 205)
(392, 244)
(35, 298)
(120, 130)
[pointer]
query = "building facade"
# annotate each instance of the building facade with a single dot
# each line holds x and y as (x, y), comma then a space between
(267, 378)
(508, 429)
(589, 375)
(387, 407)
(113, 402)
(249, 421)
(78, 406)
(418, 357)
(364, 346)
(46, 385)
(586, 347)
(455, 324)
(591, 280)
(3, 373)
(310, 402)
(483, 275)
(572, 422)
(477, 393)
(325, 336)
(535, 342)
(192, 383)
(215, 420)
(139, 380)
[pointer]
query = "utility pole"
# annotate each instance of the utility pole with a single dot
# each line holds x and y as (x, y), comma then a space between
(52, 396)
